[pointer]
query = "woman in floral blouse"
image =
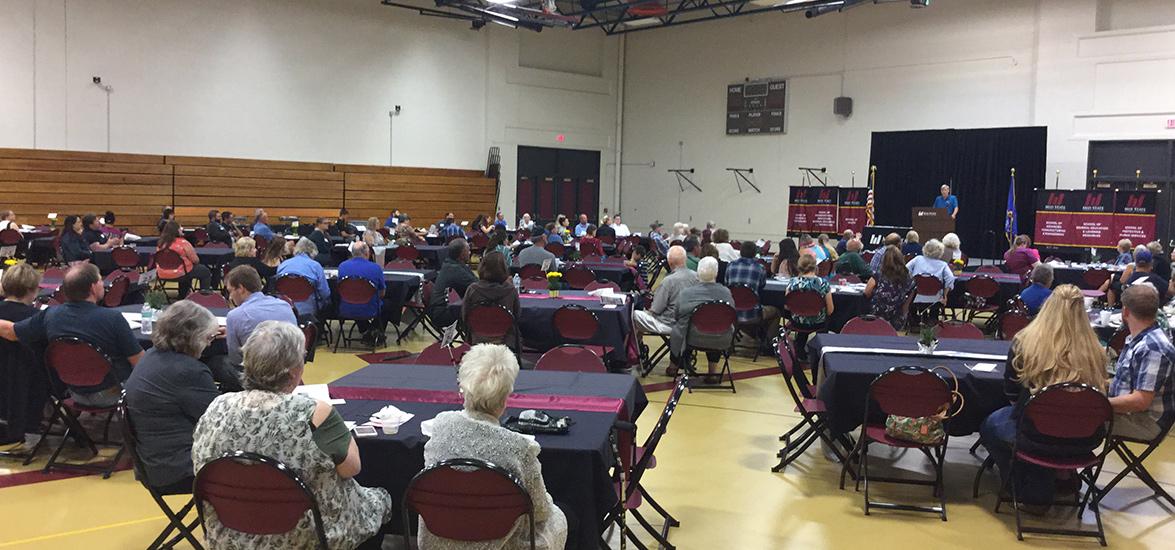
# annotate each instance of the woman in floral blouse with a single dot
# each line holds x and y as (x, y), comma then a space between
(808, 280)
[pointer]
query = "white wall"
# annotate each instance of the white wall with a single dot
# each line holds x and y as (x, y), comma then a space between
(957, 64)
(305, 80)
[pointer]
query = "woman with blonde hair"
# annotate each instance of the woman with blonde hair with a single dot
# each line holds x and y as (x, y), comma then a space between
(1057, 347)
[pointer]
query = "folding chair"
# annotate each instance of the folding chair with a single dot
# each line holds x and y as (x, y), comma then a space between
(175, 519)
(714, 318)
(989, 268)
(10, 237)
(356, 291)
(170, 260)
(979, 295)
(399, 264)
(959, 329)
(811, 411)
(592, 259)
(116, 292)
(490, 322)
(209, 299)
(576, 324)
(1012, 322)
(746, 301)
(902, 391)
(418, 306)
(436, 354)
(571, 358)
(578, 277)
(632, 463)
(927, 313)
(530, 270)
(77, 364)
(1069, 411)
(824, 268)
(536, 283)
(869, 325)
(255, 494)
(804, 303)
(199, 237)
(469, 500)
(126, 258)
(310, 332)
(1092, 281)
(407, 253)
(556, 248)
(1117, 341)
(297, 289)
(1133, 464)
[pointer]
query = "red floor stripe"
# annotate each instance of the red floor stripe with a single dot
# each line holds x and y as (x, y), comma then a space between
(35, 476)
(743, 375)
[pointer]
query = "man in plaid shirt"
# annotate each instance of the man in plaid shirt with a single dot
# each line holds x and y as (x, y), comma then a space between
(1141, 391)
(746, 271)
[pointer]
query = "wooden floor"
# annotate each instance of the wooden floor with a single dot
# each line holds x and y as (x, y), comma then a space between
(713, 473)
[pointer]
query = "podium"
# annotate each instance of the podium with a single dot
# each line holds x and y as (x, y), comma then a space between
(931, 223)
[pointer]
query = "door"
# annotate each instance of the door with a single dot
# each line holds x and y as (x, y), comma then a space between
(557, 181)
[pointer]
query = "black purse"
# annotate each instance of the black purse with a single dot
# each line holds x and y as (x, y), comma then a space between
(533, 422)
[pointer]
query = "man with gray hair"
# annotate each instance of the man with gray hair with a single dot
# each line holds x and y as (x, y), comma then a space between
(659, 317)
(1035, 294)
(360, 267)
(454, 275)
(303, 264)
(707, 290)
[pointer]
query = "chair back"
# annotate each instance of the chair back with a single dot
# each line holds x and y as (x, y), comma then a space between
(130, 438)
(535, 283)
(608, 239)
(1013, 322)
(356, 290)
(436, 354)
(530, 270)
(54, 273)
(766, 248)
(824, 268)
(1095, 278)
(575, 322)
(959, 329)
(479, 240)
(468, 500)
(407, 253)
(399, 264)
(294, 287)
(132, 276)
(578, 277)
(592, 259)
(10, 237)
(1069, 411)
(262, 244)
(909, 391)
(216, 244)
(713, 318)
(927, 285)
(867, 257)
(556, 248)
(869, 325)
(489, 321)
(310, 333)
(596, 285)
(166, 258)
(116, 292)
(804, 303)
(650, 447)
(989, 268)
(76, 362)
(744, 297)
(571, 358)
(982, 286)
(208, 299)
(1118, 340)
(256, 494)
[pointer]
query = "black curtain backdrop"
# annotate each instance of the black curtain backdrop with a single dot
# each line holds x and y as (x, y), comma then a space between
(977, 163)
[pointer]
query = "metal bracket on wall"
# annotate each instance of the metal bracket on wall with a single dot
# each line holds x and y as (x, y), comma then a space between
(741, 174)
(683, 178)
(811, 174)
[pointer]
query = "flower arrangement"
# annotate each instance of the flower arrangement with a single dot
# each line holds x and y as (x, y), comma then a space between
(10, 262)
(155, 299)
(554, 282)
(928, 339)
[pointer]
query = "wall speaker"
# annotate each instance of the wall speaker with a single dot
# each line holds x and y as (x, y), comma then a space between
(843, 106)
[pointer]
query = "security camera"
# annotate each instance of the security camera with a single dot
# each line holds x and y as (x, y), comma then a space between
(397, 109)
(98, 80)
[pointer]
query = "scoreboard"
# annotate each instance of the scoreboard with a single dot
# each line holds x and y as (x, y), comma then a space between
(756, 107)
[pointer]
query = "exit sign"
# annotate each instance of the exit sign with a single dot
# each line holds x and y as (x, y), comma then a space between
(1171, 124)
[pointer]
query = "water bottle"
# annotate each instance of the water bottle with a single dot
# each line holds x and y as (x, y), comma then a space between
(517, 283)
(148, 317)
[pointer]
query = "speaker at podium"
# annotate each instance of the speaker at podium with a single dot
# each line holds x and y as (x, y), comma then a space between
(931, 223)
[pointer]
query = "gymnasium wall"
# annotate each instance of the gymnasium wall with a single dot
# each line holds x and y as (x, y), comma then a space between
(1086, 69)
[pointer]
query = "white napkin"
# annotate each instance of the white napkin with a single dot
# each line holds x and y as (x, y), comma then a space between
(390, 416)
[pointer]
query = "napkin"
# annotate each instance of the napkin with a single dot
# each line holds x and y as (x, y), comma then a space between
(390, 416)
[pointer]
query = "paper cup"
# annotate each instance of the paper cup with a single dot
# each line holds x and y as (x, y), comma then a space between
(1088, 303)
(1104, 317)
(390, 429)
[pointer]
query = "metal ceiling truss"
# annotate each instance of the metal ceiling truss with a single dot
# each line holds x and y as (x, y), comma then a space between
(617, 16)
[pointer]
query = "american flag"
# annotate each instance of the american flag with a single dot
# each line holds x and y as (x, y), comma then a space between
(869, 198)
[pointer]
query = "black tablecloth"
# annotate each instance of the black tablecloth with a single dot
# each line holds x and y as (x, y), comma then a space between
(537, 326)
(1010, 285)
(211, 257)
(575, 466)
(847, 376)
(845, 305)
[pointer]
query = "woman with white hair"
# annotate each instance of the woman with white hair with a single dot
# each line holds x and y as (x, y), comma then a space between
(526, 223)
(486, 378)
(303, 264)
(307, 434)
(928, 263)
(952, 248)
(687, 300)
(168, 391)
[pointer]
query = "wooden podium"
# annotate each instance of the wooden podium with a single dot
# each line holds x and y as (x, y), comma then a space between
(931, 223)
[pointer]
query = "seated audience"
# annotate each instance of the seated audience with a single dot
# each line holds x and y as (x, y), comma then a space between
(81, 317)
(107, 223)
(406, 234)
(911, 245)
(807, 279)
(951, 248)
(852, 263)
(321, 241)
(784, 262)
(892, 239)
(658, 238)
(1035, 294)
(363, 268)
(191, 270)
(526, 223)
(720, 238)
(660, 317)
(706, 290)
(394, 219)
(217, 231)
(822, 241)
(693, 252)
(373, 237)
(809, 246)
(928, 263)
(1161, 262)
(500, 243)
(251, 307)
(450, 229)
(486, 379)
(537, 254)
(269, 419)
(1142, 391)
(24, 383)
(168, 216)
(747, 271)
(302, 264)
(582, 227)
(261, 225)
(226, 219)
(95, 239)
(74, 248)
(8, 220)
(245, 253)
(454, 275)
(1139, 272)
(605, 229)
(554, 235)
(500, 220)
(1124, 255)
(1060, 330)
(640, 260)
(589, 245)
(274, 253)
(620, 228)
(890, 287)
(493, 287)
(1020, 258)
(843, 243)
(343, 227)
(169, 390)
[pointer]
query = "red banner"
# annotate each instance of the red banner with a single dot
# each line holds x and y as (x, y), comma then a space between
(822, 212)
(1094, 218)
(851, 212)
(1134, 215)
(798, 202)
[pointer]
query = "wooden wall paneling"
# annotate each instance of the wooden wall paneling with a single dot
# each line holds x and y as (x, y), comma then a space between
(306, 190)
(425, 197)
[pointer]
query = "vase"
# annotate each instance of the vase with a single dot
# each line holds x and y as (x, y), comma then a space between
(554, 293)
(927, 349)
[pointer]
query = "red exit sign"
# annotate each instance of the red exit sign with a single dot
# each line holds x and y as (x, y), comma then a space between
(1171, 124)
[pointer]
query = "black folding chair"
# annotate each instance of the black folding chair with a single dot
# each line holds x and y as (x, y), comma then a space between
(812, 409)
(1133, 465)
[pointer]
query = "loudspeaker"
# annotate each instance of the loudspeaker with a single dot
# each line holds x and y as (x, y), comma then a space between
(843, 106)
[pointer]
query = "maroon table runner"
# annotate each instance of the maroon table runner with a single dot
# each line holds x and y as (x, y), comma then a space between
(581, 403)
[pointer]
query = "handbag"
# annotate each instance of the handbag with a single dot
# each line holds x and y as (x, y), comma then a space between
(926, 430)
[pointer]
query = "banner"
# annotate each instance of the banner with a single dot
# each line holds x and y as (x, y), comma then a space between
(799, 199)
(822, 212)
(851, 214)
(1094, 218)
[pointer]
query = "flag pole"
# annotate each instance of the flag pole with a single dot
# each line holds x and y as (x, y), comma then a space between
(1011, 213)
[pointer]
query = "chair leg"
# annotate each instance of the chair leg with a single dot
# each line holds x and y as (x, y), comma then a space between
(659, 536)
(988, 462)
(865, 473)
(114, 462)
(672, 521)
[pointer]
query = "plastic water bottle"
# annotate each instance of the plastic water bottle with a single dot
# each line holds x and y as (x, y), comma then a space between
(517, 283)
(148, 317)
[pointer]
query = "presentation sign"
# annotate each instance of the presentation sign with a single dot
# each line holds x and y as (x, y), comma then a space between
(852, 209)
(828, 210)
(1094, 218)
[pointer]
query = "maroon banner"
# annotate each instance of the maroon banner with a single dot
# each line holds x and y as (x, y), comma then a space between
(1134, 215)
(822, 212)
(851, 210)
(582, 403)
(1078, 219)
(798, 202)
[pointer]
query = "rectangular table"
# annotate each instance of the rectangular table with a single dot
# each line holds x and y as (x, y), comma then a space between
(847, 375)
(846, 304)
(575, 466)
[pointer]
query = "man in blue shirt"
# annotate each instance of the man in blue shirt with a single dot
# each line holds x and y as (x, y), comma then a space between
(261, 225)
(1142, 392)
(553, 235)
(450, 229)
(1040, 289)
(252, 307)
(304, 265)
(393, 219)
(947, 200)
(500, 221)
(81, 317)
(581, 229)
(658, 239)
(361, 267)
(747, 271)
